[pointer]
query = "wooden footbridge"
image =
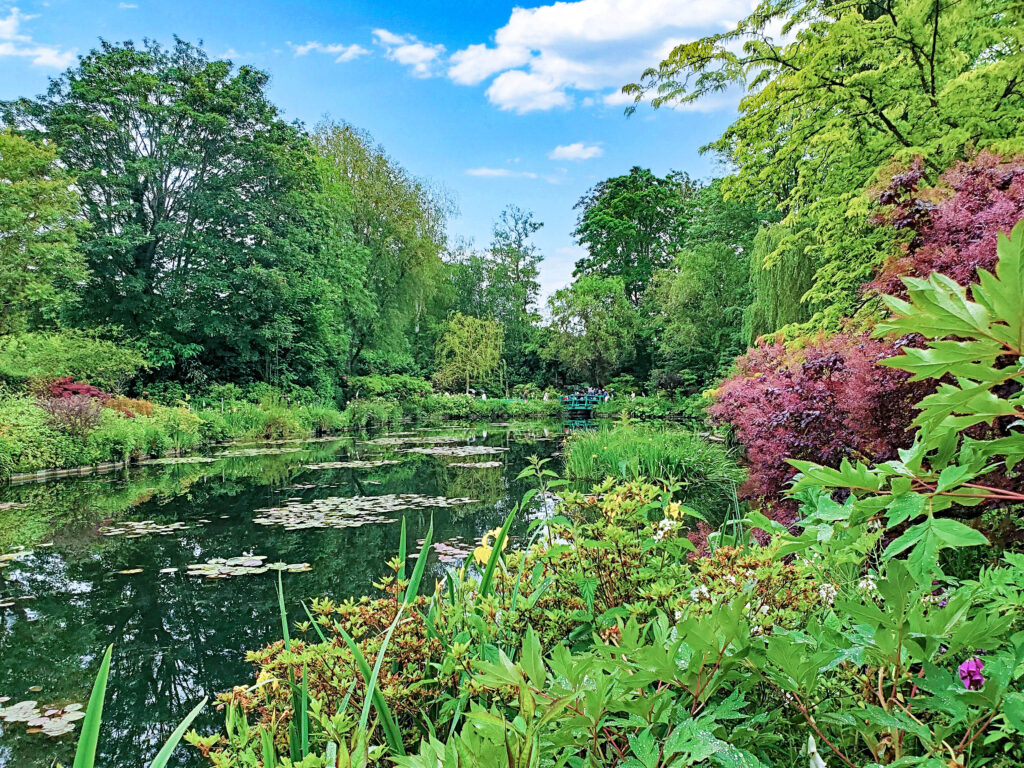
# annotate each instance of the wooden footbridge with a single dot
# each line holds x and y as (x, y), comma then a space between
(581, 402)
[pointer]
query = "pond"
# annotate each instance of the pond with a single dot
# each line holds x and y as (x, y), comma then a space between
(106, 559)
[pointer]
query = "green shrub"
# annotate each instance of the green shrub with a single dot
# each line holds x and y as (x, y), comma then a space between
(372, 413)
(396, 386)
(80, 355)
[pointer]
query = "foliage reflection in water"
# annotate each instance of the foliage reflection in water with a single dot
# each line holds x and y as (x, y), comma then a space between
(106, 559)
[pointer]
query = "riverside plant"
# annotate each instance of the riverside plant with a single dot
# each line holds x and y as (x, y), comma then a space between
(599, 640)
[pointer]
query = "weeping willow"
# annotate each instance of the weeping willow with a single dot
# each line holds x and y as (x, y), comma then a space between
(781, 272)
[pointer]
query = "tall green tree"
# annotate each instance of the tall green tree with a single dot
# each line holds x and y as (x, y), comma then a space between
(696, 310)
(400, 222)
(843, 91)
(593, 326)
(39, 262)
(189, 180)
(628, 224)
(781, 273)
(513, 289)
(469, 350)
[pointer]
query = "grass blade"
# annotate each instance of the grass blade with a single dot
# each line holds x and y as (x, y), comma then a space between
(371, 684)
(85, 754)
(165, 752)
(492, 561)
(284, 614)
(401, 551)
(421, 564)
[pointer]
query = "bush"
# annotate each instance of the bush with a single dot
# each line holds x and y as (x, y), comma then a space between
(396, 387)
(372, 413)
(129, 407)
(822, 402)
(75, 415)
(74, 354)
(29, 441)
(951, 228)
(67, 387)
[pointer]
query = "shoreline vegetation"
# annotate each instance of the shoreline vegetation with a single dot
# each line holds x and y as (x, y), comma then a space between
(843, 311)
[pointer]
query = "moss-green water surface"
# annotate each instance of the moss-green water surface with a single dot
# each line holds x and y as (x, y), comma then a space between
(106, 560)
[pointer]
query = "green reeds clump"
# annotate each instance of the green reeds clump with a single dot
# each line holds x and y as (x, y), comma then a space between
(706, 471)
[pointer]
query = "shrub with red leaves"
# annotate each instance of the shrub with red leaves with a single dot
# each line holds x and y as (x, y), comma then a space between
(76, 415)
(823, 402)
(67, 387)
(953, 224)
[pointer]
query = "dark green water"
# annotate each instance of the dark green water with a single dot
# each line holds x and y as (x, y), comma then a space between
(177, 637)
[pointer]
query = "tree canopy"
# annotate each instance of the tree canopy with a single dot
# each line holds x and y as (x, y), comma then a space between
(834, 93)
(40, 264)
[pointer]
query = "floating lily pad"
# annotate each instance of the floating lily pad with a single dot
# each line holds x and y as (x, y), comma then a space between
(353, 464)
(185, 460)
(136, 528)
(244, 565)
(348, 511)
(436, 440)
(459, 451)
(52, 721)
(476, 464)
(241, 452)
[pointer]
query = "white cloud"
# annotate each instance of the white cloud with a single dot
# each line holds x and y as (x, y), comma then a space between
(341, 53)
(423, 59)
(476, 63)
(576, 151)
(14, 43)
(525, 92)
(127, 6)
(543, 57)
(500, 173)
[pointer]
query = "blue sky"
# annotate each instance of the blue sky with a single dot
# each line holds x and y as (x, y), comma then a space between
(496, 103)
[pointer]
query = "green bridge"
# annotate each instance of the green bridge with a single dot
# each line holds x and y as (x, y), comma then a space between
(581, 401)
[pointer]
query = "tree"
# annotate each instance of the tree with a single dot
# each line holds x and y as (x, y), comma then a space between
(847, 88)
(628, 224)
(781, 272)
(697, 311)
(189, 182)
(469, 349)
(594, 327)
(512, 288)
(399, 221)
(39, 262)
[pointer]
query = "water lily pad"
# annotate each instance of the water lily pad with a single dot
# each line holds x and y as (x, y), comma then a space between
(348, 511)
(243, 565)
(353, 464)
(463, 450)
(133, 529)
(476, 464)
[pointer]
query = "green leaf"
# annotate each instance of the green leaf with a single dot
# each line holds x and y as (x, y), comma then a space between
(492, 561)
(421, 564)
(85, 753)
(953, 533)
(172, 741)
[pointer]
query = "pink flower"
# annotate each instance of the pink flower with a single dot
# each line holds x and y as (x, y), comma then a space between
(970, 674)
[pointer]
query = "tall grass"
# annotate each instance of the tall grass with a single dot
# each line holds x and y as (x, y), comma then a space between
(706, 471)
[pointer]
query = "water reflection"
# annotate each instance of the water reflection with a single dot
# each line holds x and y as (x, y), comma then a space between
(178, 638)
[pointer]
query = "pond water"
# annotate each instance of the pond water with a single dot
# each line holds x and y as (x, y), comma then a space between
(105, 559)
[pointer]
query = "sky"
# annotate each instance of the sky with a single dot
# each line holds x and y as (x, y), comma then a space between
(494, 102)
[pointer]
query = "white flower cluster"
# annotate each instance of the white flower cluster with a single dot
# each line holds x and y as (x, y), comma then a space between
(700, 593)
(827, 593)
(867, 584)
(665, 527)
